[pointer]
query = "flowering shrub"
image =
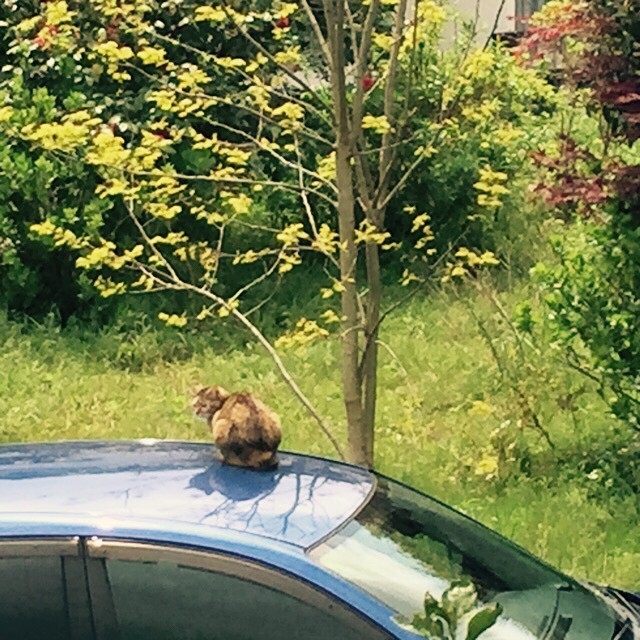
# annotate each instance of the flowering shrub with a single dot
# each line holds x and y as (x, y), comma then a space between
(474, 183)
(128, 91)
(67, 83)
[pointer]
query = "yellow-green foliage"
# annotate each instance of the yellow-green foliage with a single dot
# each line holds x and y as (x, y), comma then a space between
(199, 149)
(477, 169)
(184, 176)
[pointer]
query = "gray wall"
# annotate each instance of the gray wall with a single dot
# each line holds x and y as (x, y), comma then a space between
(508, 14)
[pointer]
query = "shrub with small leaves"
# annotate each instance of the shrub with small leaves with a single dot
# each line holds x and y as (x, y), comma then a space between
(592, 298)
(590, 179)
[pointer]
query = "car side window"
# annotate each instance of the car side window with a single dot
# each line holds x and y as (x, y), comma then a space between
(166, 600)
(32, 599)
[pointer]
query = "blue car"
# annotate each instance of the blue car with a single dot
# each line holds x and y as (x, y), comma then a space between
(159, 540)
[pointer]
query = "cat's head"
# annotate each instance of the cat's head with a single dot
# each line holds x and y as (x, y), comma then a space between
(207, 401)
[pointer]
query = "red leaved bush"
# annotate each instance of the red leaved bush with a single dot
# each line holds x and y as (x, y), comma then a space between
(569, 183)
(591, 44)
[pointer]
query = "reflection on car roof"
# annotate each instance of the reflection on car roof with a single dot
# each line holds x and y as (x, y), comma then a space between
(299, 502)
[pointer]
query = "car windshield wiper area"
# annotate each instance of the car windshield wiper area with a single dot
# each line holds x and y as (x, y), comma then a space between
(627, 598)
(624, 630)
(627, 607)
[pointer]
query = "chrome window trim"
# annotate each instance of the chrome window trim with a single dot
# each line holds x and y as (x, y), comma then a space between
(20, 547)
(234, 566)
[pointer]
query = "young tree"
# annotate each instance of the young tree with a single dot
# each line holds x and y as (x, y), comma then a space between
(314, 100)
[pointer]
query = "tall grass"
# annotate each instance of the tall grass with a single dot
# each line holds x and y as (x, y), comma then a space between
(439, 408)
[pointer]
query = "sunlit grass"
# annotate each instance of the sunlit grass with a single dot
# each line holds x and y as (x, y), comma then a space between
(434, 366)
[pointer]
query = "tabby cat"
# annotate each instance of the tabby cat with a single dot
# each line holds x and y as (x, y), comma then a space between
(246, 432)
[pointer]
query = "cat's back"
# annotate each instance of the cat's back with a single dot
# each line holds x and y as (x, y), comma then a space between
(253, 418)
(246, 407)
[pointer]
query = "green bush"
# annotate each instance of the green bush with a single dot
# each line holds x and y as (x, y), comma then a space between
(479, 111)
(590, 178)
(40, 80)
(480, 114)
(36, 278)
(498, 112)
(593, 306)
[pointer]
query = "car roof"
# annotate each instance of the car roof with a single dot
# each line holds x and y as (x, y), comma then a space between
(179, 484)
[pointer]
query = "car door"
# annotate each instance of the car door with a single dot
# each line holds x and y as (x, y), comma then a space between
(142, 591)
(43, 591)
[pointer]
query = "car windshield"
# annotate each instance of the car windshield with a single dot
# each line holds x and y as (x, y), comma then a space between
(404, 545)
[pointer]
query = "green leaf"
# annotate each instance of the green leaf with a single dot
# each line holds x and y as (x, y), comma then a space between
(431, 606)
(458, 599)
(198, 160)
(483, 620)
(434, 623)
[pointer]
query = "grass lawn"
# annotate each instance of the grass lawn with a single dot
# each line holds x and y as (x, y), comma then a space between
(441, 411)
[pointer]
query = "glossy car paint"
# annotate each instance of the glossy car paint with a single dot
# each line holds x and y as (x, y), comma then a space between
(298, 503)
(178, 493)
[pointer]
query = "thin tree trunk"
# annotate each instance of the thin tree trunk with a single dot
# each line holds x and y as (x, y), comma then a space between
(351, 380)
(370, 356)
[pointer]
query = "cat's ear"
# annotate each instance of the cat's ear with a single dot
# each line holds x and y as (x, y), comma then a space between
(221, 392)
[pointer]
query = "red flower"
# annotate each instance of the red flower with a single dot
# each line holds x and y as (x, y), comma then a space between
(163, 134)
(39, 41)
(113, 31)
(368, 81)
(283, 23)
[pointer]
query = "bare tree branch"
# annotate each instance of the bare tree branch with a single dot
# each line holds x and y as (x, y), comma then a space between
(268, 149)
(214, 273)
(249, 181)
(173, 281)
(322, 42)
(297, 79)
(394, 356)
(130, 210)
(421, 285)
(272, 90)
(256, 281)
(386, 154)
(303, 191)
(273, 354)
(495, 22)
(353, 30)
(412, 61)
(445, 113)
(261, 304)
(259, 115)
(360, 67)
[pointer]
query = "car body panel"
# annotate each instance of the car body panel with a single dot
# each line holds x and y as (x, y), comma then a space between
(288, 559)
(299, 503)
(177, 494)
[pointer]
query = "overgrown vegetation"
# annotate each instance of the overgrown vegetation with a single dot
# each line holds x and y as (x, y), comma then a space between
(186, 142)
